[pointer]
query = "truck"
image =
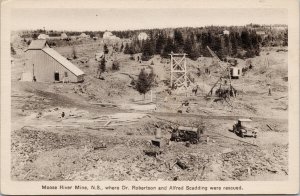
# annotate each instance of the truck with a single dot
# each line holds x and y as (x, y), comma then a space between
(186, 134)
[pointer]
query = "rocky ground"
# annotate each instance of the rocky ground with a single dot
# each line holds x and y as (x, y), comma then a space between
(81, 146)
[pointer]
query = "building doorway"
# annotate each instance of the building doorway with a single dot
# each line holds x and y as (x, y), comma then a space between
(56, 76)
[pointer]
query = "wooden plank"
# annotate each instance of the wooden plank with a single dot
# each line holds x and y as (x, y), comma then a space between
(107, 123)
(269, 127)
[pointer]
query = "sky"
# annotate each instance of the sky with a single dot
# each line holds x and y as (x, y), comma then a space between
(124, 19)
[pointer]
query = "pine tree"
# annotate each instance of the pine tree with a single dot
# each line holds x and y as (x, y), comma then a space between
(169, 47)
(178, 41)
(122, 47)
(233, 41)
(102, 65)
(147, 50)
(74, 53)
(160, 42)
(105, 49)
(144, 82)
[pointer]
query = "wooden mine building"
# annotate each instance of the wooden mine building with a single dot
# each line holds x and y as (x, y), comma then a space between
(44, 64)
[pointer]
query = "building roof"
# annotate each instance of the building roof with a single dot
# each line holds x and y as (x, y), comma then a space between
(43, 36)
(37, 44)
(64, 35)
(260, 33)
(63, 61)
(107, 34)
(245, 120)
(142, 36)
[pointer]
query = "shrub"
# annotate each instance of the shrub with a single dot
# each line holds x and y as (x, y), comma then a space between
(12, 50)
(115, 65)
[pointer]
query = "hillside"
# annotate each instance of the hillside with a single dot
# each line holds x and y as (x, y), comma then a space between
(77, 141)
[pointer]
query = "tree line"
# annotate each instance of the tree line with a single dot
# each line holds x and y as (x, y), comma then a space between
(240, 42)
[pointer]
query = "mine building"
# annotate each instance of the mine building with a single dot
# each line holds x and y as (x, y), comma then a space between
(44, 64)
(235, 72)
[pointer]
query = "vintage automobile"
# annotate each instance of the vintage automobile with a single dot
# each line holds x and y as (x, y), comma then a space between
(244, 128)
(186, 134)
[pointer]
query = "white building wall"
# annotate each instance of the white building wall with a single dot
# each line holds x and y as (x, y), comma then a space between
(43, 67)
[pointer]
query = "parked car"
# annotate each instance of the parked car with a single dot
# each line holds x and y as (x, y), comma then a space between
(243, 127)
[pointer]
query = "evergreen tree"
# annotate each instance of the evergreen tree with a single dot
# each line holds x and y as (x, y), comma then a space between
(169, 47)
(122, 47)
(160, 42)
(144, 82)
(234, 43)
(246, 41)
(285, 38)
(178, 41)
(147, 50)
(102, 65)
(105, 49)
(128, 49)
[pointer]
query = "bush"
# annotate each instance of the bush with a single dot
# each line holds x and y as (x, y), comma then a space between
(12, 50)
(145, 58)
(115, 65)
(131, 57)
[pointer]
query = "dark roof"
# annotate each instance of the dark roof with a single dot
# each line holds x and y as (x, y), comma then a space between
(37, 44)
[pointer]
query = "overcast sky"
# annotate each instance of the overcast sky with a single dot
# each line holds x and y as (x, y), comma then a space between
(123, 19)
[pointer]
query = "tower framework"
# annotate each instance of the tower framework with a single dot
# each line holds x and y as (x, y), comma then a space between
(178, 70)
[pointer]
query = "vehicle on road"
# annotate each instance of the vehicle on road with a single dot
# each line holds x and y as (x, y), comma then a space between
(244, 128)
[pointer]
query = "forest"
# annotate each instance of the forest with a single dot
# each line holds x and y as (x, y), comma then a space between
(238, 41)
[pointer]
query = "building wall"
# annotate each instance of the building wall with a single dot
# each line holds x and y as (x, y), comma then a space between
(44, 67)
(236, 72)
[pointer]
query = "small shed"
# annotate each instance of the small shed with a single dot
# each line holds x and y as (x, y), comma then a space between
(226, 32)
(44, 64)
(107, 35)
(63, 36)
(260, 33)
(142, 36)
(83, 35)
(43, 36)
(235, 72)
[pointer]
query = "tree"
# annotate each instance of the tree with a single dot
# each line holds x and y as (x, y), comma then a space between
(160, 42)
(122, 47)
(101, 67)
(147, 50)
(178, 41)
(234, 44)
(128, 49)
(169, 47)
(34, 36)
(246, 41)
(105, 49)
(74, 53)
(145, 81)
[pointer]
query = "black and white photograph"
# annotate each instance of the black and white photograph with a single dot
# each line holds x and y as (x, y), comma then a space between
(188, 94)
